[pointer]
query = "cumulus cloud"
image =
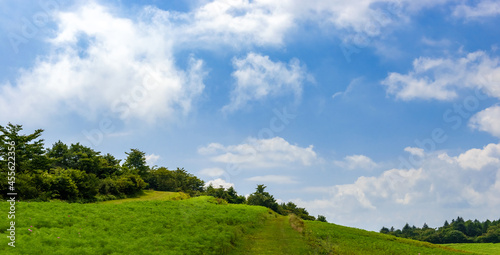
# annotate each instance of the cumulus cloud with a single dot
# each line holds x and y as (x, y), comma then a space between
(257, 77)
(260, 153)
(100, 62)
(466, 184)
(477, 159)
(151, 159)
(441, 78)
(487, 120)
(482, 9)
(278, 179)
(356, 162)
(218, 183)
(244, 23)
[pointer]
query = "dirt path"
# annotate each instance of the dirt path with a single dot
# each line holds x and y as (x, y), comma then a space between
(276, 237)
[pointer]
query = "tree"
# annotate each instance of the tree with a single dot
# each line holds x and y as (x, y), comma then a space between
(29, 150)
(454, 236)
(233, 197)
(130, 184)
(383, 230)
(263, 198)
(323, 219)
(83, 158)
(59, 154)
(136, 161)
(108, 166)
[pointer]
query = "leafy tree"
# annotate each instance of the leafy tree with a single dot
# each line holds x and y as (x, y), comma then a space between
(383, 230)
(446, 224)
(233, 197)
(136, 161)
(263, 198)
(59, 155)
(323, 219)
(108, 166)
(29, 150)
(230, 195)
(454, 236)
(83, 158)
(130, 184)
(492, 236)
(108, 186)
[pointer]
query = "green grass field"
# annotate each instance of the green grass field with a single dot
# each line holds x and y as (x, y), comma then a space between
(192, 226)
(275, 237)
(478, 248)
(330, 238)
(149, 195)
(169, 223)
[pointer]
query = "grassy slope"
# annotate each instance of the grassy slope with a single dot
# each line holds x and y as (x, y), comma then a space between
(151, 224)
(150, 195)
(334, 239)
(479, 248)
(191, 226)
(276, 237)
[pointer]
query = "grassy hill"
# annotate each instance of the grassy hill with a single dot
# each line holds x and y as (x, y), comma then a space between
(156, 224)
(478, 248)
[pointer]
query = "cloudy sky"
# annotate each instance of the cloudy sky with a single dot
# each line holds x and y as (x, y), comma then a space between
(372, 112)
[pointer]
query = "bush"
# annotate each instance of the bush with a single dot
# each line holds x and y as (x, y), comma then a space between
(130, 184)
(454, 236)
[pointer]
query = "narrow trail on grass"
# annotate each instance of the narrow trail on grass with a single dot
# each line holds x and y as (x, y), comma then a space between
(276, 237)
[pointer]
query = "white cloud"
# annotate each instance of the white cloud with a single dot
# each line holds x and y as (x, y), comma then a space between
(235, 23)
(465, 185)
(218, 183)
(244, 23)
(212, 172)
(258, 77)
(278, 179)
(261, 153)
(103, 63)
(151, 159)
(100, 62)
(487, 120)
(441, 78)
(477, 159)
(483, 9)
(415, 151)
(356, 162)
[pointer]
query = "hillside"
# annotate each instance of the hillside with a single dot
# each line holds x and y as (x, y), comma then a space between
(153, 224)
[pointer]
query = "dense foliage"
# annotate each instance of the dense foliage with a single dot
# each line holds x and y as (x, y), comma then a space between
(458, 231)
(177, 180)
(79, 173)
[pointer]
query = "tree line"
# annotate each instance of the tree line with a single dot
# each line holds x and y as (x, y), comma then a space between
(77, 173)
(458, 231)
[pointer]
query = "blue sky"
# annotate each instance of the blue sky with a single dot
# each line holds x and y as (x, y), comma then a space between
(372, 113)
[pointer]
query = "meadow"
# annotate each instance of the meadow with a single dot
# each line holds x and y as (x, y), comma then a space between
(170, 223)
(193, 226)
(478, 248)
(328, 238)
